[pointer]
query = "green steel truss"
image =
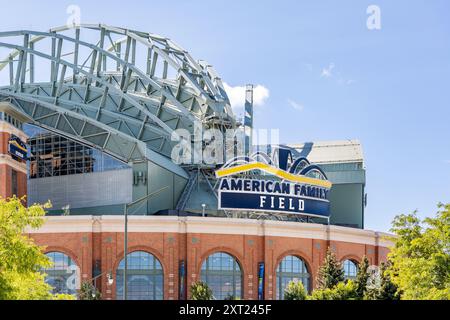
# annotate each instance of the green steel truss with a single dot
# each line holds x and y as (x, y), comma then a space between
(122, 91)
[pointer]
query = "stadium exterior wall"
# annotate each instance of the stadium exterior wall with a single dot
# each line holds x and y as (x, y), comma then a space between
(9, 166)
(91, 240)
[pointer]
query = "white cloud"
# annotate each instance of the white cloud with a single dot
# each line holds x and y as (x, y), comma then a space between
(237, 95)
(328, 72)
(295, 105)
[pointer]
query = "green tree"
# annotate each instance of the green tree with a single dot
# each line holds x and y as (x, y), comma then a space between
(20, 258)
(362, 277)
(330, 272)
(385, 288)
(420, 257)
(341, 291)
(201, 291)
(89, 292)
(295, 291)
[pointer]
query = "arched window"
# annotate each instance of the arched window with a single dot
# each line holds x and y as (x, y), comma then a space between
(291, 268)
(350, 269)
(144, 277)
(223, 275)
(63, 275)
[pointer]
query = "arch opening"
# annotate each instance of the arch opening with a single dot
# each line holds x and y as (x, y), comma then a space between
(350, 269)
(63, 276)
(145, 277)
(291, 268)
(222, 273)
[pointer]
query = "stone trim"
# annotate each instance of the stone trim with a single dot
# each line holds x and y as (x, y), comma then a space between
(232, 226)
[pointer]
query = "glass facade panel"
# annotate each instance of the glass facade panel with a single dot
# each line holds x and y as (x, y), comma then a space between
(223, 275)
(350, 269)
(336, 167)
(291, 268)
(145, 277)
(316, 174)
(14, 184)
(62, 274)
(54, 155)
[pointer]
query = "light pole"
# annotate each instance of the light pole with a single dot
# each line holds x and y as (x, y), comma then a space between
(108, 275)
(203, 209)
(125, 253)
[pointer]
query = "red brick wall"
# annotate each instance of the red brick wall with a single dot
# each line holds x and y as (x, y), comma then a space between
(6, 172)
(171, 248)
(4, 138)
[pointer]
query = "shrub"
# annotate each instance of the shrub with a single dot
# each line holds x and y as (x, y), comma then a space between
(201, 291)
(295, 291)
(64, 297)
(342, 291)
(89, 292)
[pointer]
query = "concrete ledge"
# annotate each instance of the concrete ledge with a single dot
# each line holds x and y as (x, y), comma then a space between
(209, 225)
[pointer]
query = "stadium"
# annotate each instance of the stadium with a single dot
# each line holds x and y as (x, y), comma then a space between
(89, 119)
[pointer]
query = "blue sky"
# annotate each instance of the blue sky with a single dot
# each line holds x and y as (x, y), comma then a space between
(389, 88)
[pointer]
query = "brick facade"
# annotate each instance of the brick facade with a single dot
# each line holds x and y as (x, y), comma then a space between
(8, 164)
(194, 239)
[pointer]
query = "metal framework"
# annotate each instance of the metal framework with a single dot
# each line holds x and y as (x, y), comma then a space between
(122, 91)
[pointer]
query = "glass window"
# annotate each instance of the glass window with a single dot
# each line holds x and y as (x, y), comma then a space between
(14, 184)
(144, 277)
(223, 275)
(53, 155)
(291, 268)
(63, 274)
(350, 269)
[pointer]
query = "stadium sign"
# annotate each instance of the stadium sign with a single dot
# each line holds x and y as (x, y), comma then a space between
(17, 148)
(302, 188)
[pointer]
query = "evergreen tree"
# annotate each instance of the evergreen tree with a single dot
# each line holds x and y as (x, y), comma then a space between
(330, 272)
(362, 277)
(386, 290)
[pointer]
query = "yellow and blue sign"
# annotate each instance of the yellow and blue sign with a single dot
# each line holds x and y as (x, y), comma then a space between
(300, 188)
(16, 148)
